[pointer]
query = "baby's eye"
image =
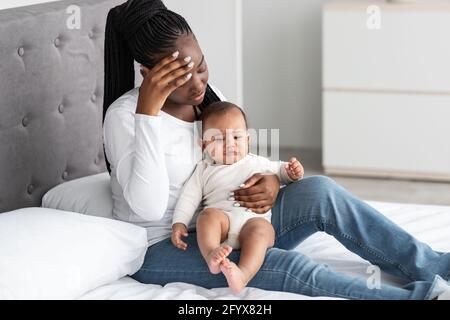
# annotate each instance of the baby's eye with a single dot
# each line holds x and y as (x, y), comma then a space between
(218, 138)
(238, 137)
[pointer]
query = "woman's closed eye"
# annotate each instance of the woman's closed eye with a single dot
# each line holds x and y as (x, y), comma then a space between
(202, 67)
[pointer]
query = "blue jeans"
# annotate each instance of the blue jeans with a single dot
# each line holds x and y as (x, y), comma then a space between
(303, 208)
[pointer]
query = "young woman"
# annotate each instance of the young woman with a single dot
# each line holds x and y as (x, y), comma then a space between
(149, 138)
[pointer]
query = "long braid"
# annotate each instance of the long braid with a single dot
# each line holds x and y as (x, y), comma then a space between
(139, 30)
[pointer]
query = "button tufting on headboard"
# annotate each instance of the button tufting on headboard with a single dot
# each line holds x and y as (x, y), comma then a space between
(30, 189)
(57, 42)
(25, 121)
(49, 69)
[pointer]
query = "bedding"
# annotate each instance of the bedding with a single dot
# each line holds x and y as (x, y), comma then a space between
(430, 224)
(90, 195)
(54, 254)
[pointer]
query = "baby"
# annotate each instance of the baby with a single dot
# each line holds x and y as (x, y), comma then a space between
(223, 225)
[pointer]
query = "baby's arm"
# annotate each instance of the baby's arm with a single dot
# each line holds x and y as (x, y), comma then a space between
(189, 200)
(287, 172)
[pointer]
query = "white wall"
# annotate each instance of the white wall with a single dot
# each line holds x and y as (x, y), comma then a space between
(282, 68)
(217, 25)
(5, 4)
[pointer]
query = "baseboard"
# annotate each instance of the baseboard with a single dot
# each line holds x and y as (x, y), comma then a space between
(418, 176)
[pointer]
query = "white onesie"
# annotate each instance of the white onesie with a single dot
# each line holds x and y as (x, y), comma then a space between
(212, 183)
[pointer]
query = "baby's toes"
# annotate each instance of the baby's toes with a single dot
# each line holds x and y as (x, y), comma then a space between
(226, 263)
(223, 252)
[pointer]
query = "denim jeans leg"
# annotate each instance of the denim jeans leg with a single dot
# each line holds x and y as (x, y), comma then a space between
(282, 270)
(319, 204)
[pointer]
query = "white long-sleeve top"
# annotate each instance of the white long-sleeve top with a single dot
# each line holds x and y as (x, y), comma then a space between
(210, 184)
(151, 157)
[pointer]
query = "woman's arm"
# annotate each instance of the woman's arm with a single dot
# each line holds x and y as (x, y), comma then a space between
(133, 145)
(259, 193)
(136, 150)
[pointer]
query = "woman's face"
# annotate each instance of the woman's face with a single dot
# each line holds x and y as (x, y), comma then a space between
(193, 91)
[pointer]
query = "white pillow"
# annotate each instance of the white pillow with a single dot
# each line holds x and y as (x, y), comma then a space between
(89, 195)
(54, 254)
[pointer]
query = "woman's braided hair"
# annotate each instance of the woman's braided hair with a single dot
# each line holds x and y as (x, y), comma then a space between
(139, 30)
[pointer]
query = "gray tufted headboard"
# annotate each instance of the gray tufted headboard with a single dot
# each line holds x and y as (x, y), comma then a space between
(51, 92)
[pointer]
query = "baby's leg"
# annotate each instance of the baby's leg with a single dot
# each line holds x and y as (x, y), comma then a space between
(256, 236)
(212, 230)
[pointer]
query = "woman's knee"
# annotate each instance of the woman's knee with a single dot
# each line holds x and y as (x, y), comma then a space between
(320, 186)
(320, 182)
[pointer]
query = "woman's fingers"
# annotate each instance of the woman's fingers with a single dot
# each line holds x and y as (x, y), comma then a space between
(251, 186)
(172, 66)
(165, 61)
(252, 180)
(252, 198)
(262, 210)
(178, 73)
(249, 192)
(253, 204)
(144, 71)
(178, 83)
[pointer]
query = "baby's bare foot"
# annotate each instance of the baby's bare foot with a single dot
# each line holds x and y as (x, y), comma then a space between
(216, 256)
(235, 277)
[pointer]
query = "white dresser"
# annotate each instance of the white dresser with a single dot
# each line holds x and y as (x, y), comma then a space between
(386, 90)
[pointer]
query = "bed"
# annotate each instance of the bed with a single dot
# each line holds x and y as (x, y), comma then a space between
(51, 62)
(430, 224)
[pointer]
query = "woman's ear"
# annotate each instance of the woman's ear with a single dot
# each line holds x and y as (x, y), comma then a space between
(144, 70)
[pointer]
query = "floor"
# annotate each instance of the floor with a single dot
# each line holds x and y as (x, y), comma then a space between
(388, 190)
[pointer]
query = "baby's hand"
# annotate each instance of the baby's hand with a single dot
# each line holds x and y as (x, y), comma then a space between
(178, 230)
(294, 169)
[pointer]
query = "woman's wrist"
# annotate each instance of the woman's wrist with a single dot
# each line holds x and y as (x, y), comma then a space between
(147, 110)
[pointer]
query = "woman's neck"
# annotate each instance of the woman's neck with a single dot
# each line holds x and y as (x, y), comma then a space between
(182, 112)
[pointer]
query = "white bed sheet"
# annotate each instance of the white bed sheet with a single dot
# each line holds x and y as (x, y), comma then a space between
(430, 224)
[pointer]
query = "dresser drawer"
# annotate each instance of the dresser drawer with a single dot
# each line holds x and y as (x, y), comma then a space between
(409, 53)
(387, 134)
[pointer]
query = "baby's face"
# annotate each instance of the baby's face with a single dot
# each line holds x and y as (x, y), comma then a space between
(225, 137)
